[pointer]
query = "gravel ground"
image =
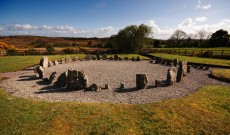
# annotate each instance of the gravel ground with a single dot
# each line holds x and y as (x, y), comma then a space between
(24, 84)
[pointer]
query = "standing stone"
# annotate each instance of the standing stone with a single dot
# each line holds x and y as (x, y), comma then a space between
(201, 67)
(68, 60)
(122, 86)
(111, 58)
(82, 81)
(116, 56)
(175, 62)
(61, 81)
(63, 61)
(133, 59)
(44, 62)
(158, 83)
(151, 61)
(206, 68)
(50, 64)
(98, 55)
(138, 58)
(40, 71)
(158, 60)
(119, 58)
(55, 63)
(106, 86)
(171, 76)
(169, 62)
(52, 76)
(93, 87)
(126, 58)
(104, 57)
(181, 73)
(71, 79)
(141, 81)
(189, 67)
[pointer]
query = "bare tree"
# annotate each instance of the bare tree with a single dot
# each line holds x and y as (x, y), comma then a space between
(189, 38)
(201, 35)
(178, 35)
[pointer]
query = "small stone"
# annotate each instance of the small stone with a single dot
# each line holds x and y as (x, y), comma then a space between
(111, 58)
(68, 60)
(158, 60)
(126, 58)
(50, 64)
(158, 83)
(151, 61)
(141, 81)
(119, 58)
(201, 67)
(122, 86)
(75, 59)
(93, 87)
(55, 63)
(116, 56)
(206, 68)
(104, 57)
(138, 58)
(106, 86)
(63, 61)
(133, 59)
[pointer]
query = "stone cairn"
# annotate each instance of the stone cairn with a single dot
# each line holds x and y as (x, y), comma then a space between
(141, 81)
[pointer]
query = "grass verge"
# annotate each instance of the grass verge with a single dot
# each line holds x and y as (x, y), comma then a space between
(15, 63)
(204, 112)
(127, 55)
(221, 74)
(194, 59)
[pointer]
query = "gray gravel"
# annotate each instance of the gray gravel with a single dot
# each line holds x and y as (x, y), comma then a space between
(23, 84)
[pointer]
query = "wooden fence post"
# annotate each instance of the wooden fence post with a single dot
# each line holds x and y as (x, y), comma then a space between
(222, 53)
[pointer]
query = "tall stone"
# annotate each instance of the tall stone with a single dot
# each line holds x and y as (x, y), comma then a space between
(68, 60)
(133, 59)
(98, 55)
(61, 81)
(55, 63)
(44, 62)
(82, 81)
(52, 76)
(116, 57)
(71, 79)
(138, 58)
(40, 71)
(93, 87)
(141, 81)
(104, 57)
(75, 58)
(175, 62)
(182, 71)
(50, 64)
(171, 76)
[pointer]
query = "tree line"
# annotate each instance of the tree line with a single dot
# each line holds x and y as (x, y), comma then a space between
(134, 38)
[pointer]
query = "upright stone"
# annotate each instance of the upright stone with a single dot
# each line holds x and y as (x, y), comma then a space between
(61, 81)
(171, 76)
(68, 60)
(181, 73)
(111, 58)
(44, 62)
(175, 62)
(106, 86)
(55, 63)
(138, 58)
(104, 57)
(141, 81)
(63, 61)
(189, 67)
(93, 87)
(52, 76)
(133, 59)
(50, 64)
(82, 81)
(40, 71)
(71, 79)
(98, 55)
(116, 57)
(75, 58)
(122, 86)
(158, 60)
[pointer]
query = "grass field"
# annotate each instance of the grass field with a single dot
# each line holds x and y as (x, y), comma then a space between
(204, 112)
(194, 59)
(197, 49)
(127, 55)
(222, 74)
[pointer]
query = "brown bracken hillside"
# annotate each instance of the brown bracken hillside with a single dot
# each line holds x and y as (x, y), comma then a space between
(42, 42)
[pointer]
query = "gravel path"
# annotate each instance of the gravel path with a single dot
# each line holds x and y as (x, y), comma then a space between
(23, 84)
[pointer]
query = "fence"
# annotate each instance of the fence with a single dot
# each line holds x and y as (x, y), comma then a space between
(193, 52)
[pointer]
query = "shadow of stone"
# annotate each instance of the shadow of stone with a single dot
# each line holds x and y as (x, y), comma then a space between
(126, 90)
(27, 78)
(41, 82)
(52, 89)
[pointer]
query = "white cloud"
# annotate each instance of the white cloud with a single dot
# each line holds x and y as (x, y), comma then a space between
(201, 6)
(201, 19)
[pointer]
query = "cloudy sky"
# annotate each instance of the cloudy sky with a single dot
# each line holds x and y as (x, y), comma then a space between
(103, 18)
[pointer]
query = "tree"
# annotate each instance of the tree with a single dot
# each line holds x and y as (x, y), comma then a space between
(157, 43)
(219, 39)
(132, 38)
(50, 49)
(201, 35)
(178, 35)
(189, 38)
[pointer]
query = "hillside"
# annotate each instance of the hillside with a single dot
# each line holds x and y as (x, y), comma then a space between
(40, 41)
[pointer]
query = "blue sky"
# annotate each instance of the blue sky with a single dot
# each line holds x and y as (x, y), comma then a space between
(103, 18)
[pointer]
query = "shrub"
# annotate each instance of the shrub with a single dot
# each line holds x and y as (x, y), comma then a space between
(69, 50)
(50, 49)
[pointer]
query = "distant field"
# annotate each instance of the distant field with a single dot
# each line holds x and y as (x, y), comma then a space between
(194, 59)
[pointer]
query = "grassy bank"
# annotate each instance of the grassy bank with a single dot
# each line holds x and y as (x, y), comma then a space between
(127, 55)
(204, 112)
(194, 59)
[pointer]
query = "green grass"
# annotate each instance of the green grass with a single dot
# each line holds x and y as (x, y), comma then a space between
(127, 55)
(204, 112)
(194, 59)
(223, 74)
(196, 49)
(15, 63)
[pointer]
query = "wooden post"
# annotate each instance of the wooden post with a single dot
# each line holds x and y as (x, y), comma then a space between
(201, 52)
(185, 52)
(222, 53)
(193, 52)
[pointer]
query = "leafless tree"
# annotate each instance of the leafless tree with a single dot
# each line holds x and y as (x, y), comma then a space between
(189, 37)
(178, 35)
(201, 35)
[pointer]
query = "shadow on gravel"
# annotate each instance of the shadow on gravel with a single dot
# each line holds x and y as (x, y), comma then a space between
(51, 89)
(27, 78)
